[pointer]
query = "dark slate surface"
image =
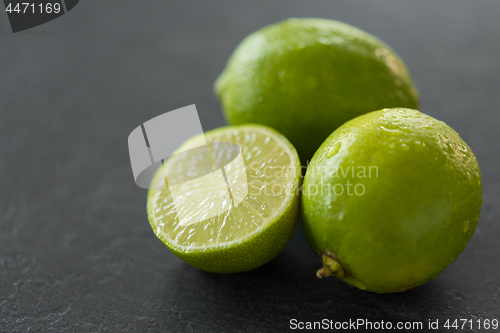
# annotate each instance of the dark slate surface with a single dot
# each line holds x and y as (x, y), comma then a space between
(76, 251)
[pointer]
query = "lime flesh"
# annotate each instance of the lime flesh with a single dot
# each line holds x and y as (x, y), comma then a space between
(390, 200)
(255, 228)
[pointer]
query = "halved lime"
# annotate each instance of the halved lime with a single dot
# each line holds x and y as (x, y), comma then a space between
(217, 220)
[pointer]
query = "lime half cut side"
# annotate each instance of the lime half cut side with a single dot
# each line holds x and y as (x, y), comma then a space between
(225, 214)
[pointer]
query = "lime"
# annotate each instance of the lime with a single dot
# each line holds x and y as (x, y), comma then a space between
(252, 224)
(390, 199)
(306, 77)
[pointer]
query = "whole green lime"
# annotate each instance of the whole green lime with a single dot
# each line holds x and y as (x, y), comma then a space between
(306, 77)
(390, 199)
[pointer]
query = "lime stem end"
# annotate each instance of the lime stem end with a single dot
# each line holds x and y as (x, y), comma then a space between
(331, 267)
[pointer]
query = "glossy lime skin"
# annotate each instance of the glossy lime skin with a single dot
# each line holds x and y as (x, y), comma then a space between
(414, 216)
(306, 77)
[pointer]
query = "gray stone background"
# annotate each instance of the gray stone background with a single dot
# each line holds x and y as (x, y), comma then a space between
(76, 251)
